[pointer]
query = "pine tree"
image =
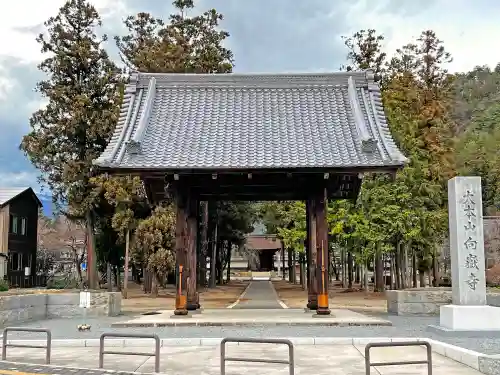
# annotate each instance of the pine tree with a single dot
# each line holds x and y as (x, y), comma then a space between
(82, 90)
(183, 45)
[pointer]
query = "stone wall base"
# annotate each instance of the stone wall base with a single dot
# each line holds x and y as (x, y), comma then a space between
(25, 307)
(425, 301)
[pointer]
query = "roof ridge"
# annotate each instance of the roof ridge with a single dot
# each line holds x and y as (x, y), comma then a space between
(258, 74)
(368, 143)
(251, 79)
(134, 145)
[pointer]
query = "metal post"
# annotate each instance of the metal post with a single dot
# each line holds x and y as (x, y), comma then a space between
(369, 364)
(291, 356)
(156, 354)
(47, 347)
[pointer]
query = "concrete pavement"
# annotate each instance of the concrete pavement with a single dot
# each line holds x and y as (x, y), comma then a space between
(253, 317)
(190, 360)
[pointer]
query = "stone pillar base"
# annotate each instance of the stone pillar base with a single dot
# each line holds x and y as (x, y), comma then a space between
(470, 318)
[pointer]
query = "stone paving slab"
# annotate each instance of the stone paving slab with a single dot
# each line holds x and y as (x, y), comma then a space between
(249, 317)
(191, 360)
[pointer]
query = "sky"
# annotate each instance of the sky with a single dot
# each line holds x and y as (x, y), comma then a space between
(266, 36)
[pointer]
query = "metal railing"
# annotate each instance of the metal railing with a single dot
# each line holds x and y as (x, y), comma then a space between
(224, 359)
(156, 353)
(47, 347)
(369, 364)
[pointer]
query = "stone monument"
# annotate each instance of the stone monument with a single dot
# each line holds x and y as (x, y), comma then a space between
(468, 311)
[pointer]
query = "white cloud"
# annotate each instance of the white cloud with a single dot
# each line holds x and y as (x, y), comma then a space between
(20, 21)
(467, 28)
(22, 180)
(18, 179)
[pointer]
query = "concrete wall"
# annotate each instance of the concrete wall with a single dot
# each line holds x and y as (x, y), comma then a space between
(21, 308)
(424, 301)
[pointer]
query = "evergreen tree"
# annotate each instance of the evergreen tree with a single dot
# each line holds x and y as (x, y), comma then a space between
(82, 90)
(183, 45)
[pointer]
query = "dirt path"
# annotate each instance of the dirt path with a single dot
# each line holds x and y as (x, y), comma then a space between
(294, 297)
(219, 297)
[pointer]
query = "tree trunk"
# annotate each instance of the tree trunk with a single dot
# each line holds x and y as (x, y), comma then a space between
(154, 285)
(119, 279)
(333, 262)
(135, 274)
(379, 271)
(109, 277)
(397, 266)
(92, 274)
(365, 276)
(349, 270)
(342, 268)
(229, 255)
(435, 270)
(218, 263)
(414, 269)
(290, 266)
(421, 276)
(283, 261)
(116, 276)
(302, 271)
(125, 267)
(204, 241)
(392, 271)
(405, 267)
(148, 281)
(213, 257)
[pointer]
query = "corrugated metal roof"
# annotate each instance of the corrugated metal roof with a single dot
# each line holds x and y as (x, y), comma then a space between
(7, 194)
(234, 121)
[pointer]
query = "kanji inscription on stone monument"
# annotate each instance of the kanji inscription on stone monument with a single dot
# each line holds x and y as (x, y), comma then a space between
(466, 241)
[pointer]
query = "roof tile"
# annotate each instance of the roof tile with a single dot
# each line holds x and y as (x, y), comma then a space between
(232, 121)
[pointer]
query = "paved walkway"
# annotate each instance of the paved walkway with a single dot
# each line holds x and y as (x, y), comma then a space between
(252, 316)
(13, 368)
(196, 360)
(259, 294)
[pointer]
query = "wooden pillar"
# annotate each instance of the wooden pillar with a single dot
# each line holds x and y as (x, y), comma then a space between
(322, 253)
(181, 246)
(308, 258)
(191, 258)
(312, 287)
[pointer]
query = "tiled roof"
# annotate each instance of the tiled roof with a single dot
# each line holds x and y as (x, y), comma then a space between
(263, 242)
(7, 194)
(250, 121)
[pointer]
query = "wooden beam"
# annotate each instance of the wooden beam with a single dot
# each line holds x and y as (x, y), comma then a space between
(181, 234)
(322, 253)
(191, 261)
(312, 290)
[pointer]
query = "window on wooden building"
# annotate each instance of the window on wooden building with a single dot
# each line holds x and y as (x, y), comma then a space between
(16, 261)
(23, 226)
(14, 224)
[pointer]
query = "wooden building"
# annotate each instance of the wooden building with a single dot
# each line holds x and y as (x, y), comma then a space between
(265, 246)
(199, 137)
(18, 234)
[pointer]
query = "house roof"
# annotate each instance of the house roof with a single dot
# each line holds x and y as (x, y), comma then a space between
(263, 242)
(8, 194)
(251, 121)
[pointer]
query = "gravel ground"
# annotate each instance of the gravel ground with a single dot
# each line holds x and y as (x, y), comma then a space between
(402, 327)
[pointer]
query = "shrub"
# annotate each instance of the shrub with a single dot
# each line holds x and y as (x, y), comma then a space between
(4, 286)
